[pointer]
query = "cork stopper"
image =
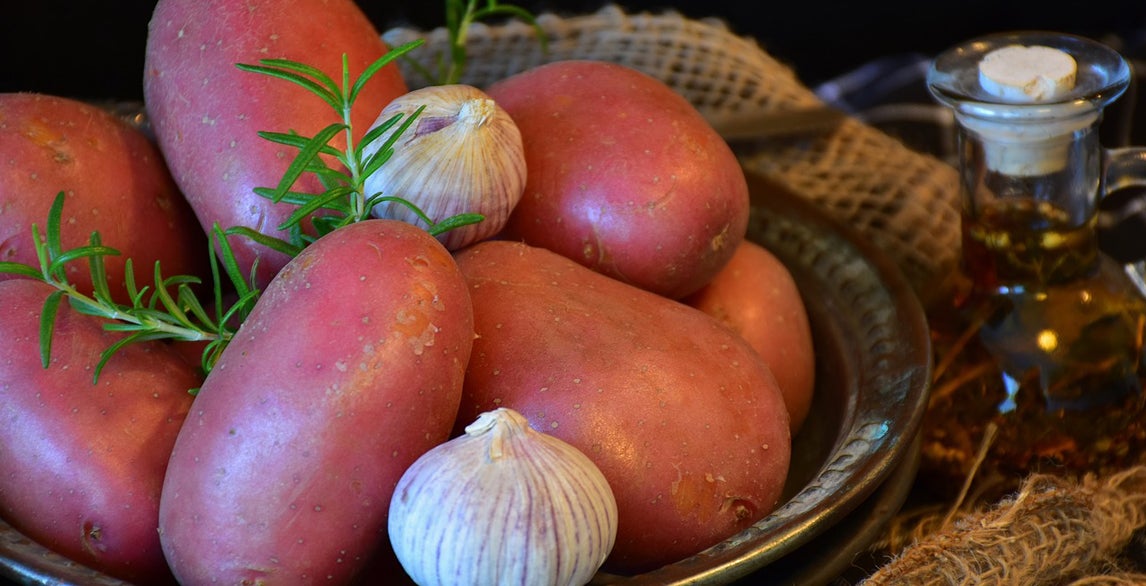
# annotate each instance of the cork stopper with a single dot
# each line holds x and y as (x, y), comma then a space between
(1028, 75)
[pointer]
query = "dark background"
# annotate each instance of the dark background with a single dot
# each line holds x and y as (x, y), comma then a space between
(94, 48)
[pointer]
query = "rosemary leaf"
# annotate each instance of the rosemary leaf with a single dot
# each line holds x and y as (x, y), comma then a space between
(164, 296)
(275, 68)
(110, 351)
(453, 222)
(310, 150)
(15, 268)
(48, 325)
(294, 139)
(62, 258)
(53, 236)
(271, 242)
(387, 149)
(316, 203)
(386, 59)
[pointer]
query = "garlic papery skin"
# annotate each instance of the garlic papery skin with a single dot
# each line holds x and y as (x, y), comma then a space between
(502, 504)
(463, 154)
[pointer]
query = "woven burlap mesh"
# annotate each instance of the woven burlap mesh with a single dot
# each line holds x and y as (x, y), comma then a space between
(1053, 531)
(903, 201)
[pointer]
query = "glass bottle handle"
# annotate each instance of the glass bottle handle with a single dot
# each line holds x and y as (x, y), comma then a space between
(1125, 167)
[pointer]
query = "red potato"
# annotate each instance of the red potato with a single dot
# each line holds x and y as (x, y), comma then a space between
(757, 297)
(625, 176)
(683, 418)
(84, 463)
(116, 183)
(206, 112)
(348, 369)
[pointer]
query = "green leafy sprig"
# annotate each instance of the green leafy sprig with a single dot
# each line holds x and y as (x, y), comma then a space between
(460, 15)
(169, 310)
(344, 199)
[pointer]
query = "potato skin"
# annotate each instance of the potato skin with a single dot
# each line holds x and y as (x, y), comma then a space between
(346, 371)
(625, 176)
(116, 183)
(84, 463)
(206, 112)
(758, 298)
(682, 416)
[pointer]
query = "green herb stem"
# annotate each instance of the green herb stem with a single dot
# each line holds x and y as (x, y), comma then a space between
(139, 321)
(344, 199)
(154, 312)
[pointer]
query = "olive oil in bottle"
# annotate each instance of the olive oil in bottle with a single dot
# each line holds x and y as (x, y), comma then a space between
(1038, 355)
(1044, 345)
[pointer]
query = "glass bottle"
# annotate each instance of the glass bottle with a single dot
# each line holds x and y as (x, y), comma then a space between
(1039, 354)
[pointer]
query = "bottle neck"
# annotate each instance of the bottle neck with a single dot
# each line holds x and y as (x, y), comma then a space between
(1029, 203)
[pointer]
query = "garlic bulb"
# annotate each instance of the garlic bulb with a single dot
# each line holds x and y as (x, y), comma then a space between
(463, 154)
(502, 504)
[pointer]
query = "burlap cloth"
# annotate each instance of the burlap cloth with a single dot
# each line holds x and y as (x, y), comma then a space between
(1053, 531)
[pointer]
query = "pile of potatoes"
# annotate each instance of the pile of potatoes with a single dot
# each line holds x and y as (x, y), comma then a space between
(622, 310)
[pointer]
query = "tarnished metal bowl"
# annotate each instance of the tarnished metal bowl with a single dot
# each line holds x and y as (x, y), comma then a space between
(853, 460)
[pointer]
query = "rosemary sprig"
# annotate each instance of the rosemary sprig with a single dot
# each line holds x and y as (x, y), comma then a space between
(168, 310)
(344, 199)
(460, 14)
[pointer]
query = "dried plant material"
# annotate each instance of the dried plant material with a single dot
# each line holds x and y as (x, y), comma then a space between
(1128, 579)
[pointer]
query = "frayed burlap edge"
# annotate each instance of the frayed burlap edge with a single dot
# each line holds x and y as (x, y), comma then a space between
(1052, 531)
